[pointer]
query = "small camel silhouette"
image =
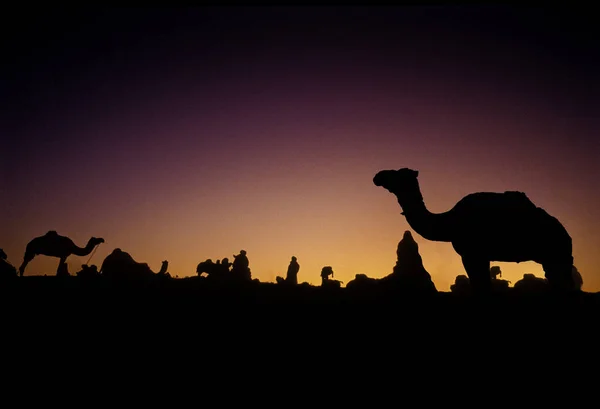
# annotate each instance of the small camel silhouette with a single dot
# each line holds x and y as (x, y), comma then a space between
(53, 245)
(485, 227)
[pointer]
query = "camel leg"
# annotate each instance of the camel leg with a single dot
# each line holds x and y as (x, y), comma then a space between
(478, 271)
(26, 259)
(62, 267)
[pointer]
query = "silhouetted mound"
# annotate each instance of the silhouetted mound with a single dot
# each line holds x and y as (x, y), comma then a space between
(409, 274)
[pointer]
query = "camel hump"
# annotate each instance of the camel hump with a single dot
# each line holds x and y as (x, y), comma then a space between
(509, 198)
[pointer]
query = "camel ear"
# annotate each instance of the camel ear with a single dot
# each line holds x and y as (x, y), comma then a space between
(415, 173)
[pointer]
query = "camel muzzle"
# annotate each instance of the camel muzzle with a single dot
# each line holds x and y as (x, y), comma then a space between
(378, 180)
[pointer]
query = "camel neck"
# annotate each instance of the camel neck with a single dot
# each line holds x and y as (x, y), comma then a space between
(431, 226)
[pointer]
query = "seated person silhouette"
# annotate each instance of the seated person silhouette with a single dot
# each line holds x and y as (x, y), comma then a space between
(326, 281)
(225, 265)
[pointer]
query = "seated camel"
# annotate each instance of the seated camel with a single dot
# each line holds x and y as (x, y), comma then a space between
(120, 264)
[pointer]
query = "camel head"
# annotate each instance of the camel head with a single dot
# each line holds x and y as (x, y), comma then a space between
(402, 182)
(96, 240)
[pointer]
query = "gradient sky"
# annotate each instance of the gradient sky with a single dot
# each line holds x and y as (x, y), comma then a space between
(189, 134)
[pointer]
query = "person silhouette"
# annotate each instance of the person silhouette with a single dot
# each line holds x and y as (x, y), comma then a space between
(292, 271)
(225, 265)
(241, 266)
(325, 273)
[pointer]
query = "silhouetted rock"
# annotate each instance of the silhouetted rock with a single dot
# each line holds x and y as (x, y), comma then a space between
(409, 274)
(53, 245)
(485, 227)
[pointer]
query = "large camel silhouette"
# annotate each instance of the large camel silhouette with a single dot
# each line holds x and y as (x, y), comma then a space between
(485, 227)
(54, 245)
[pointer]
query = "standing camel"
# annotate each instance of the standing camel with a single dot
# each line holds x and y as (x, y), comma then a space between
(53, 245)
(485, 227)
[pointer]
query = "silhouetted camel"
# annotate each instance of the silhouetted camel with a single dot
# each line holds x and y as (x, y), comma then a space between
(485, 227)
(53, 245)
(120, 264)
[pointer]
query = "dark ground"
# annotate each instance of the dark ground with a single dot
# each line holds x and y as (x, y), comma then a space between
(100, 335)
(192, 303)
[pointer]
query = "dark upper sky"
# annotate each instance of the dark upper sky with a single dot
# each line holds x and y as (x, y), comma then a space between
(105, 92)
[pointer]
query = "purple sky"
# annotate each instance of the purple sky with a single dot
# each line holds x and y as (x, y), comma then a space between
(191, 134)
